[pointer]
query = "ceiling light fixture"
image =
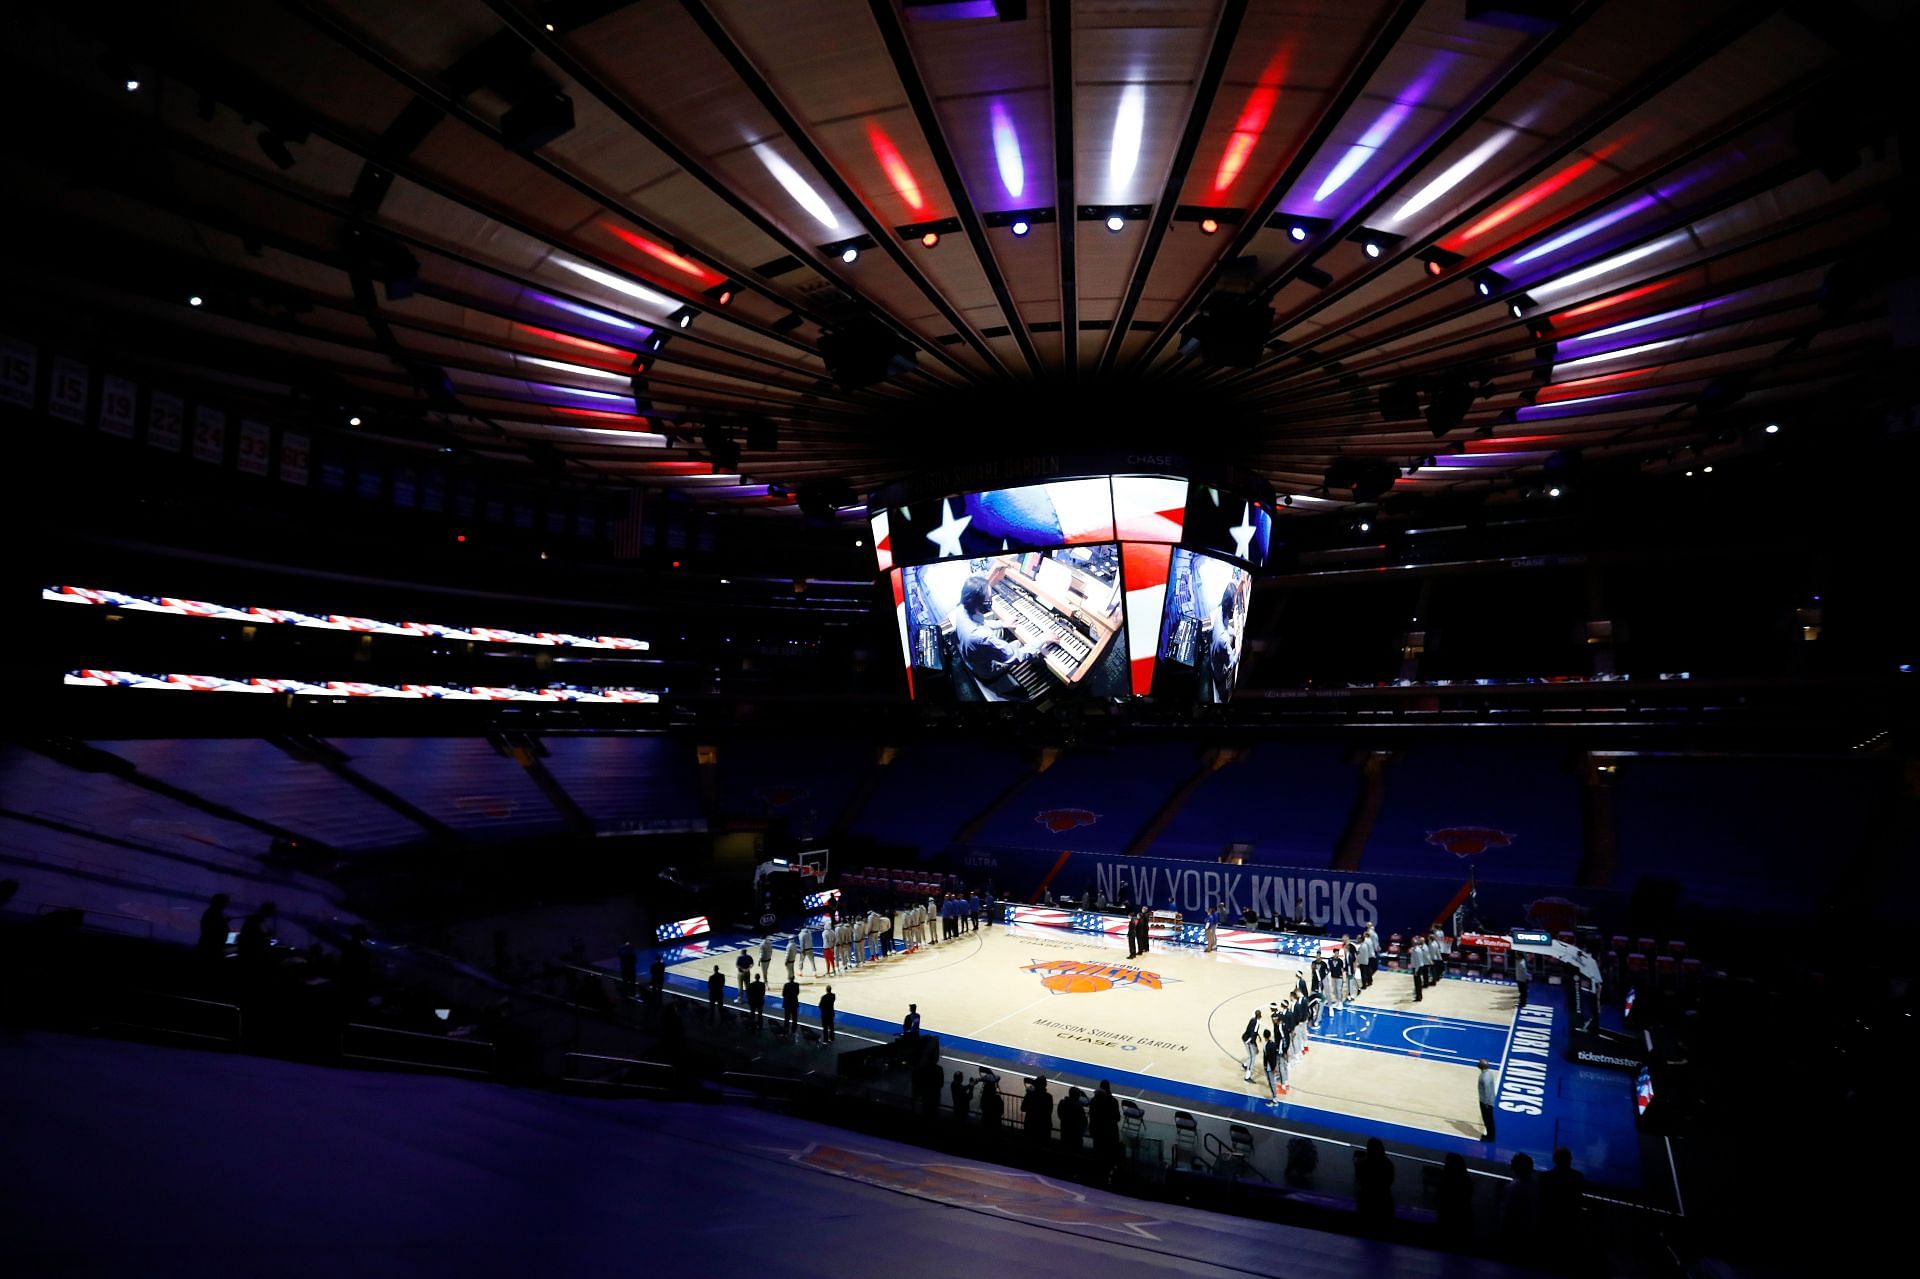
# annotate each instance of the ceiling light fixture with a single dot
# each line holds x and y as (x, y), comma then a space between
(1020, 226)
(1773, 428)
(1297, 233)
(1115, 222)
(849, 254)
(195, 300)
(930, 239)
(1372, 248)
(1208, 226)
(133, 86)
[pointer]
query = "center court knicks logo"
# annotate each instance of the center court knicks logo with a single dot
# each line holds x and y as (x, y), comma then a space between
(1079, 977)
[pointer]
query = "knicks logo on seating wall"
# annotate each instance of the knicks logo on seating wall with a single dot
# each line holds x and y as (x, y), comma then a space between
(1058, 820)
(1465, 841)
(779, 797)
(1079, 977)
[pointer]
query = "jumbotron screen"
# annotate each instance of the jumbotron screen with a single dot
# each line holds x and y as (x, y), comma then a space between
(1084, 589)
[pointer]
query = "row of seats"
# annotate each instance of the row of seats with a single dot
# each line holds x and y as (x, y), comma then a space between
(907, 883)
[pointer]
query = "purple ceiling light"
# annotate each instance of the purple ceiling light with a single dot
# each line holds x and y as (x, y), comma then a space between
(1380, 132)
(1006, 150)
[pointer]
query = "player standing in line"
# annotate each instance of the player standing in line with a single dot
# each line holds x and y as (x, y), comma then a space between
(1250, 1037)
(1416, 964)
(933, 914)
(1336, 980)
(1271, 1058)
(1213, 921)
(743, 964)
(766, 955)
(859, 939)
(827, 935)
(793, 958)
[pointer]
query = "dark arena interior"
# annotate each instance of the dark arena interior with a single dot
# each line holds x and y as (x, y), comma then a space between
(1370, 506)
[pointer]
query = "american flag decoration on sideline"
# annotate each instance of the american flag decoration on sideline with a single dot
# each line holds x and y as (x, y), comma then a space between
(681, 928)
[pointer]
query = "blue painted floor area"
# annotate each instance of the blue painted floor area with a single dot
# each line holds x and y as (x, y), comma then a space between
(1388, 1030)
(1588, 1110)
(151, 1161)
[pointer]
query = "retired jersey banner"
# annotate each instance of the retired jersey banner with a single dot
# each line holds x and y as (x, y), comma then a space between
(209, 435)
(165, 412)
(256, 443)
(119, 401)
(294, 449)
(19, 372)
(67, 391)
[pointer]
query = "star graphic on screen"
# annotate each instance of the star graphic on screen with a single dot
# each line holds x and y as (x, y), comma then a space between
(1244, 534)
(947, 536)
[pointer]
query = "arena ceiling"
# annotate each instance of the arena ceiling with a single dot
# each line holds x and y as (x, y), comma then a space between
(835, 239)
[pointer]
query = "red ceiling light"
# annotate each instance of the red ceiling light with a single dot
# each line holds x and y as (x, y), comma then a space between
(1252, 122)
(895, 167)
(1533, 195)
(1208, 226)
(582, 344)
(1582, 387)
(661, 253)
(1612, 300)
(930, 239)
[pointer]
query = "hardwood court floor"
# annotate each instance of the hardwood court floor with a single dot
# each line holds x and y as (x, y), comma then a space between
(1176, 1014)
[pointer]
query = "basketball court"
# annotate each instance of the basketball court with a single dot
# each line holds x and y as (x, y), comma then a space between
(1171, 1020)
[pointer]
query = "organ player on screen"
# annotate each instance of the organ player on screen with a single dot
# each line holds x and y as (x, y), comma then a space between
(986, 650)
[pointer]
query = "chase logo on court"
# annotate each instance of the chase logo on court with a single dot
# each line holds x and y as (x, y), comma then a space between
(1465, 841)
(1058, 820)
(1080, 977)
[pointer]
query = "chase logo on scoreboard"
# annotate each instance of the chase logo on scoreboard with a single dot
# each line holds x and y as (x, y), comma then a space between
(1081, 977)
(1060, 820)
(1465, 841)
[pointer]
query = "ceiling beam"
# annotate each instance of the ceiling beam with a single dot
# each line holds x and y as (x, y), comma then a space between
(1225, 32)
(796, 133)
(1463, 118)
(1386, 36)
(1060, 53)
(1658, 79)
(743, 279)
(891, 31)
(533, 30)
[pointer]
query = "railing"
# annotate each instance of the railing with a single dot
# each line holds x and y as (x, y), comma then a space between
(176, 1016)
(625, 1074)
(389, 1047)
(102, 921)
